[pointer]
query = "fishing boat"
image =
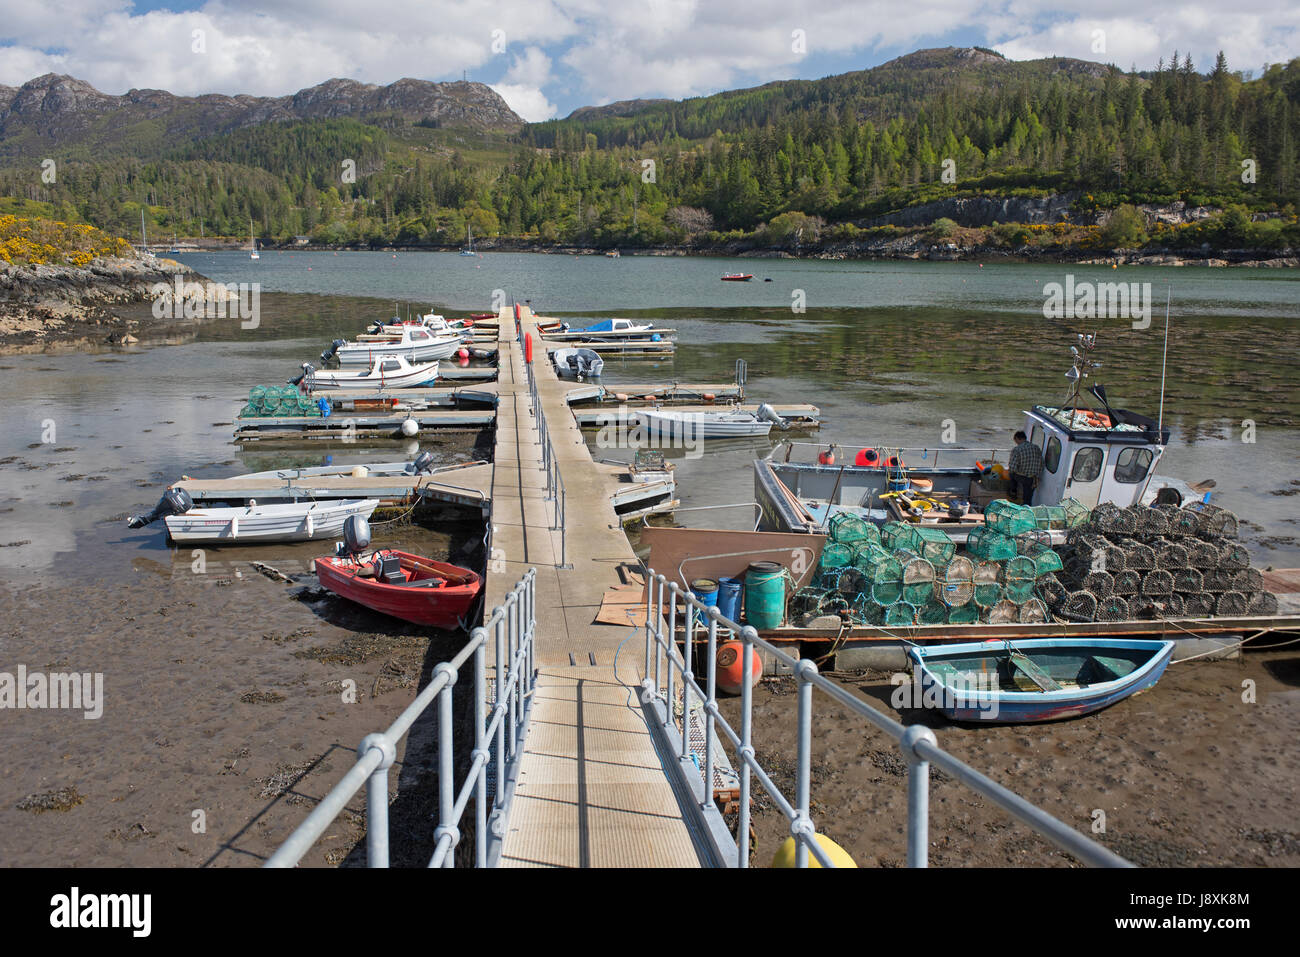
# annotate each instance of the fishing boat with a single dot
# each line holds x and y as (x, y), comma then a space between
(386, 372)
(391, 582)
(608, 330)
(254, 523)
(1037, 679)
(737, 276)
(578, 363)
(693, 426)
(413, 343)
(440, 325)
(468, 250)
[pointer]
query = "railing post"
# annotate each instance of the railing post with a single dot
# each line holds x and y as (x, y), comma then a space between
(687, 675)
(446, 767)
(659, 633)
(512, 636)
(918, 795)
(377, 799)
(801, 827)
(499, 635)
(650, 614)
(481, 752)
(673, 591)
(711, 705)
(747, 636)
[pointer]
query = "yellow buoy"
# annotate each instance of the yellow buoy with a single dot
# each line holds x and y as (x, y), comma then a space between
(839, 857)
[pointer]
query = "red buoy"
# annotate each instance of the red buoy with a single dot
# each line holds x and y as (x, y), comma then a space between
(869, 458)
(528, 346)
(731, 664)
(463, 353)
(827, 457)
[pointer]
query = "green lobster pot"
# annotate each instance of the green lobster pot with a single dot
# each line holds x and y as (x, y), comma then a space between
(765, 595)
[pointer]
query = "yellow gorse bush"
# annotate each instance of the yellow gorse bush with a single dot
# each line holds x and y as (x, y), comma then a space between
(37, 242)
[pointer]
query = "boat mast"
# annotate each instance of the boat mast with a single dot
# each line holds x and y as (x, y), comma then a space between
(1160, 422)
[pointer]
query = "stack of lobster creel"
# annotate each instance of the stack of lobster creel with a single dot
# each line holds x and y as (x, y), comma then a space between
(1146, 562)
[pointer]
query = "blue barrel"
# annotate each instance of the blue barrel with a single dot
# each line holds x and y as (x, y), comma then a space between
(705, 590)
(729, 592)
(765, 595)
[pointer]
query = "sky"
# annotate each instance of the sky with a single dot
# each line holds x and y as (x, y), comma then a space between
(548, 57)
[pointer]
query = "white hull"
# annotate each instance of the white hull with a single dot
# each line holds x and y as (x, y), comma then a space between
(296, 522)
(373, 381)
(364, 354)
(702, 425)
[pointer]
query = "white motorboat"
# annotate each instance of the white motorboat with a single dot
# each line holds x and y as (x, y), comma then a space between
(435, 323)
(253, 523)
(692, 426)
(386, 372)
(578, 363)
(413, 343)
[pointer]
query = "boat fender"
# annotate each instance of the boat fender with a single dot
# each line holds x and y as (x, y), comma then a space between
(827, 457)
(325, 408)
(410, 428)
(868, 458)
(710, 397)
(656, 337)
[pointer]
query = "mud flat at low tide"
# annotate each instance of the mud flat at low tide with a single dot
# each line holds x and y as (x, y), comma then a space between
(1198, 772)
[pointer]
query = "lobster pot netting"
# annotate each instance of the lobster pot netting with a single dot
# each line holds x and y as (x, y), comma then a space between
(1018, 577)
(1171, 606)
(1200, 605)
(867, 611)
(1078, 606)
(900, 613)
(1137, 556)
(963, 615)
(807, 601)
(1170, 554)
(1233, 556)
(1142, 607)
(886, 582)
(1100, 584)
(1217, 580)
(1045, 561)
(1263, 603)
(896, 535)
(1003, 613)
(935, 546)
(1076, 513)
(1157, 583)
(1203, 555)
(1128, 582)
(918, 577)
(1183, 522)
(1248, 580)
(1050, 517)
(835, 555)
(958, 585)
(1112, 608)
(986, 590)
(1008, 518)
(1027, 542)
(849, 529)
(1033, 611)
(867, 556)
(990, 544)
(933, 613)
(1151, 522)
(1112, 520)
(1187, 580)
(1097, 554)
(1215, 522)
(1231, 604)
(1050, 590)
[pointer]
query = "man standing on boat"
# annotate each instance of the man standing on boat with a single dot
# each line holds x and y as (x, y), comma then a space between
(1026, 464)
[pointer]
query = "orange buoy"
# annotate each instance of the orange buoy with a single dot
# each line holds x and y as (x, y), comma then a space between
(621, 396)
(869, 458)
(709, 397)
(827, 457)
(528, 346)
(921, 484)
(731, 663)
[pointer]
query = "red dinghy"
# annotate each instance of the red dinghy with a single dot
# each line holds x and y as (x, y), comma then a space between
(403, 585)
(738, 277)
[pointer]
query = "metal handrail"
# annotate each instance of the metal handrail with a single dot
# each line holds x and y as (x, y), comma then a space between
(902, 450)
(555, 490)
(513, 627)
(918, 743)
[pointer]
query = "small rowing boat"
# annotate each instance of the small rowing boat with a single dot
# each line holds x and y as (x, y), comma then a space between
(386, 372)
(405, 586)
(253, 523)
(737, 276)
(1038, 679)
(413, 343)
(578, 363)
(692, 426)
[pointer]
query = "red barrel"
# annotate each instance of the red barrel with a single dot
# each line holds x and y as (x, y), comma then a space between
(528, 347)
(731, 667)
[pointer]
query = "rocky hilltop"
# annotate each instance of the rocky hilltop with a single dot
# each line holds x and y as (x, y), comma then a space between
(55, 111)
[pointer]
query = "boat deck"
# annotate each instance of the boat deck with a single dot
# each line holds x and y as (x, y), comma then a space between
(591, 789)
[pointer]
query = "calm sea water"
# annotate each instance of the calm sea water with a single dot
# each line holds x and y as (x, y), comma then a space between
(888, 351)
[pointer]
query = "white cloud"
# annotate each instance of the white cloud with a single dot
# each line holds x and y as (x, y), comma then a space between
(528, 101)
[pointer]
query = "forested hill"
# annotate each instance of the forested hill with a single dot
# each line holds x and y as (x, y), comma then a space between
(933, 134)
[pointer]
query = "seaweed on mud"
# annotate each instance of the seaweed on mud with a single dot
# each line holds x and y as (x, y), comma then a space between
(357, 648)
(1275, 843)
(261, 697)
(284, 777)
(62, 799)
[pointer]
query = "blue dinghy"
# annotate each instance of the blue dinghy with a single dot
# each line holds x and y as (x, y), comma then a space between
(1038, 679)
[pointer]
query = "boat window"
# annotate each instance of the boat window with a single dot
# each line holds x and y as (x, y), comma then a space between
(390, 366)
(1087, 464)
(1052, 458)
(1036, 436)
(419, 334)
(1132, 465)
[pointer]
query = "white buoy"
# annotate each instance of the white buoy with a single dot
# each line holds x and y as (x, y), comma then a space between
(360, 471)
(410, 428)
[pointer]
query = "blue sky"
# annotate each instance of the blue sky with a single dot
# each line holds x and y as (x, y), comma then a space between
(548, 57)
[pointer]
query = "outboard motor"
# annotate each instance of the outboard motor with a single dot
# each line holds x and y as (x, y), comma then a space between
(175, 501)
(328, 354)
(356, 536)
(768, 414)
(307, 369)
(423, 463)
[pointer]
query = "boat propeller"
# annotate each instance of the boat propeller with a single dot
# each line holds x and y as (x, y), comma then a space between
(769, 414)
(423, 463)
(307, 369)
(328, 354)
(356, 536)
(175, 501)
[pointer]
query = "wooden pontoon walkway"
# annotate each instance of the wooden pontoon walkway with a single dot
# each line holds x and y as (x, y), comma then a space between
(591, 791)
